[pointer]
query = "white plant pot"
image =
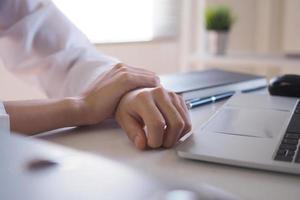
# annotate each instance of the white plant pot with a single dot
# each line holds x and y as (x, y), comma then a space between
(217, 42)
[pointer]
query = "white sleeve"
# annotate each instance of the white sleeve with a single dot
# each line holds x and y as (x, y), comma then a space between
(37, 42)
(4, 121)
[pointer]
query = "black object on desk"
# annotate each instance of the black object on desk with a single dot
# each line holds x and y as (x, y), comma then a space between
(285, 85)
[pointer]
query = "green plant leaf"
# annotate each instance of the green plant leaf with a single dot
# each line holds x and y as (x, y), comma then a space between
(218, 18)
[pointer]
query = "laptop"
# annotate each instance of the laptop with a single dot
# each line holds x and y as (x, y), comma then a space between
(250, 130)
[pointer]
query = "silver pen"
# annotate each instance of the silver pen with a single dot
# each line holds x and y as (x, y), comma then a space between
(206, 100)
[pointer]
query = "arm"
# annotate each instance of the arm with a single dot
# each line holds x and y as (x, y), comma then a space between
(38, 43)
(97, 103)
(34, 116)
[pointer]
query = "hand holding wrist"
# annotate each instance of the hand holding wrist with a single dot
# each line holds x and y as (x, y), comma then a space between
(100, 100)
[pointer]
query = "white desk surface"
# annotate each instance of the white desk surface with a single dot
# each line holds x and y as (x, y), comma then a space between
(110, 141)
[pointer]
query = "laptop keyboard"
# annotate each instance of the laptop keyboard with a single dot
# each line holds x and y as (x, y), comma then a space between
(289, 149)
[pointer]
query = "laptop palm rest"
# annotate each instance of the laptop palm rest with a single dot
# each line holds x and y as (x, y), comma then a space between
(258, 116)
(244, 122)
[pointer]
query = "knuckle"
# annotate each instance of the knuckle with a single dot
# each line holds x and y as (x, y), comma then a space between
(158, 124)
(126, 77)
(173, 95)
(160, 92)
(178, 124)
(142, 95)
(123, 69)
(118, 66)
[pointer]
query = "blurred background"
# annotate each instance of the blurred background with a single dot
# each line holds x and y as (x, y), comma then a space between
(166, 36)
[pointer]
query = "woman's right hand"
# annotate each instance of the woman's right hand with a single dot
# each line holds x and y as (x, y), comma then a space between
(153, 117)
(100, 100)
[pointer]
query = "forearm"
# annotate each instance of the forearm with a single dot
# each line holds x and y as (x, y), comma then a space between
(35, 116)
(95, 104)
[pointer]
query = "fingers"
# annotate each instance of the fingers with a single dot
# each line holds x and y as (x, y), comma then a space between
(175, 122)
(153, 120)
(121, 66)
(142, 81)
(133, 78)
(153, 117)
(165, 116)
(134, 131)
(180, 105)
(141, 70)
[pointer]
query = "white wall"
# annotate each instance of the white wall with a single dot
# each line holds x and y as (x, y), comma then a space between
(162, 56)
(258, 25)
(158, 56)
(291, 41)
(242, 35)
(259, 28)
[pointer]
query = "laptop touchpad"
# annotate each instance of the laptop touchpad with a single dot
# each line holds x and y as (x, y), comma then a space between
(262, 123)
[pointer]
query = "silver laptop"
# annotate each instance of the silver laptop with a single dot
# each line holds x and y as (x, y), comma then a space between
(250, 130)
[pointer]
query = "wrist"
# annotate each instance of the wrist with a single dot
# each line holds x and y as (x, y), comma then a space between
(83, 111)
(76, 111)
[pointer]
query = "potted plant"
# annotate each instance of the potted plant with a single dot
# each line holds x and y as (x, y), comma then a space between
(218, 22)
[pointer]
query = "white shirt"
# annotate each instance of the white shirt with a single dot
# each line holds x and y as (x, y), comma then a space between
(38, 43)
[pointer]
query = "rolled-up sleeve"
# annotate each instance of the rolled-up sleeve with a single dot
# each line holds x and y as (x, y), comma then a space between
(39, 43)
(4, 121)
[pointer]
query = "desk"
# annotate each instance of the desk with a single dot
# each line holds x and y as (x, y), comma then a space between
(110, 141)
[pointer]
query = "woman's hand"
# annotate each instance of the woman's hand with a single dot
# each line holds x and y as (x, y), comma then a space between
(102, 97)
(153, 117)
